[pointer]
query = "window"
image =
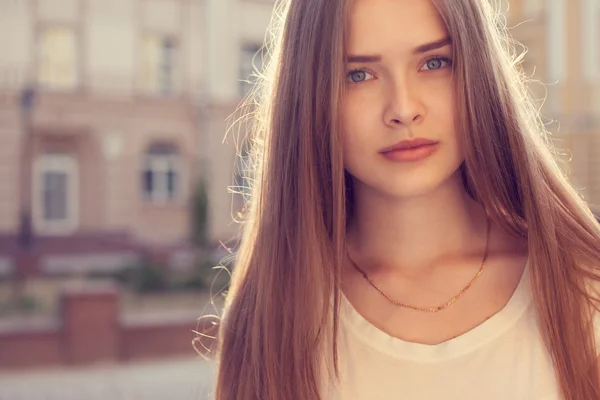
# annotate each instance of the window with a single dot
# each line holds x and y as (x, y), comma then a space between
(158, 68)
(251, 61)
(55, 191)
(161, 176)
(57, 58)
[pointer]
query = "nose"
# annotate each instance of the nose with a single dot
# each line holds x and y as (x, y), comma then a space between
(403, 105)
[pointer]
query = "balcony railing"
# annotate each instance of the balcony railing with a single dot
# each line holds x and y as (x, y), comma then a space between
(13, 79)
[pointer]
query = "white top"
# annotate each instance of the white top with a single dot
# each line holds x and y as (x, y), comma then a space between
(503, 358)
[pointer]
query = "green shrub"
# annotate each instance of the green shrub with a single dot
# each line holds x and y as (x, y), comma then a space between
(199, 275)
(127, 276)
(26, 304)
(150, 278)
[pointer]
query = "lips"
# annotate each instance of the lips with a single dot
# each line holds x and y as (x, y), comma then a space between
(410, 150)
(409, 144)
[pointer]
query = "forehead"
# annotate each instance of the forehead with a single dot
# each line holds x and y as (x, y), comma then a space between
(380, 25)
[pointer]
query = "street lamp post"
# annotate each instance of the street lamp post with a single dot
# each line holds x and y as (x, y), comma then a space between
(27, 106)
(25, 236)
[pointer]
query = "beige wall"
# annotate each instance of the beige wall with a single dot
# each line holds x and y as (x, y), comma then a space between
(9, 161)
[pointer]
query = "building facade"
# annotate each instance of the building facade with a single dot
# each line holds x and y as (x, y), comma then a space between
(103, 151)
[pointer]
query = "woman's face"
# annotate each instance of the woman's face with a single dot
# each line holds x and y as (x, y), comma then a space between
(399, 87)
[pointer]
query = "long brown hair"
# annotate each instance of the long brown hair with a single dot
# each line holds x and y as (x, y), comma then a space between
(275, 330)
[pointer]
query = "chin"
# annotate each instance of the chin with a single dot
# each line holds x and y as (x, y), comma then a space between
(411, 190)
(413, 185)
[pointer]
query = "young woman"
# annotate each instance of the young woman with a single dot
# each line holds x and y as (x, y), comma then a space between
(409, 235)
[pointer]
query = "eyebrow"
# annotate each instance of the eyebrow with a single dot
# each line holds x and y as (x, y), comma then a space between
(418, 50)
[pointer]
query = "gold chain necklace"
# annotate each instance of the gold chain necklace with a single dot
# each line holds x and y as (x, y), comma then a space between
(430, 309)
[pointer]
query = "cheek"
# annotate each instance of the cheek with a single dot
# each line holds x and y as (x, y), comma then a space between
(349, 141)
(357, 115)
(349, 110)
(444, 110)
(349, 121)
(352, 138)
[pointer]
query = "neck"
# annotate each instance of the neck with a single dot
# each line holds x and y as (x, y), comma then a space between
(414, 235)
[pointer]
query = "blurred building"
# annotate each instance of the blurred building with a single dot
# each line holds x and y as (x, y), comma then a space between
(128, 110)
(563, 42)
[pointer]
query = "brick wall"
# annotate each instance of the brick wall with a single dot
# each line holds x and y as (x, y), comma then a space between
(90, 329)
(30, 348)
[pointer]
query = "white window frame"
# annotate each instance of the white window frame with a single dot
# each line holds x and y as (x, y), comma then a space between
(590, 39)
(159, 164)
(556, 40)
(62, 163)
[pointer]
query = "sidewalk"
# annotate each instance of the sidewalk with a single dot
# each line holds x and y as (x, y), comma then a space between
(180, 379)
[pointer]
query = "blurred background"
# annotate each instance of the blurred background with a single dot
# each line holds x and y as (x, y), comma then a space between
(116, 178)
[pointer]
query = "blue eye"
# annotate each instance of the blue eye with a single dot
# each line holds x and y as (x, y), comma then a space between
(359, 75)
(436, 63)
